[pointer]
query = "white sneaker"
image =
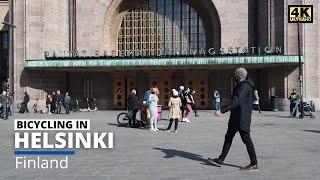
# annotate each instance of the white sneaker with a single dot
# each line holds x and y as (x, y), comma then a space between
(152, 130)
(183, 119)
(187, 120)
(156, 129)
(175, 131)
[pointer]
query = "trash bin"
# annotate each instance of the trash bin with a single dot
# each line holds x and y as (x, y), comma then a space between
(274, 103)
(159, 112)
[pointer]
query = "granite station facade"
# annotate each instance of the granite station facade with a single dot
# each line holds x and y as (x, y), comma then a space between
(104, 48)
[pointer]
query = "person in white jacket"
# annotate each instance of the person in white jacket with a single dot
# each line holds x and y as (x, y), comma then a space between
(153, 107)
(256, 99)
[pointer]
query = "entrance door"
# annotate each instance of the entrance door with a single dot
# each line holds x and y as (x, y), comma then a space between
(164, 85)
(200, 85)
(122, 89)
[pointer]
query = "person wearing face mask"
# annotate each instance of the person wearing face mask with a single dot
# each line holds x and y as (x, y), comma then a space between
(174, 110)
(240, 119)
(153, 107)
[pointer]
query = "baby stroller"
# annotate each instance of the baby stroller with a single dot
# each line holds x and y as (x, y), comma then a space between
(22, 107)
(91, 104)
(308, 109)
(76, 106)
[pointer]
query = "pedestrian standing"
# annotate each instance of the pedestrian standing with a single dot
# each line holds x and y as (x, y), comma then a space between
(67, 100)
(4, 103)
(153, 107)
(174, 110)
(217, 99)
(10, 108)
(256, 101)
(26, 100)
(194, 102)
(188, 105)
(48, 103)
(181, 95)
(294, 102)
(53, 102)
(60, 100)
(133, 107)
(146, 103)
(36, 106)
(240, 119)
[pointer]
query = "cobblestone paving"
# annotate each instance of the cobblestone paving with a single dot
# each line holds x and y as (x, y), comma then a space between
(287, 148)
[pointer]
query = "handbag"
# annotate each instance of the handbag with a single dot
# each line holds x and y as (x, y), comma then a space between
(148, 114)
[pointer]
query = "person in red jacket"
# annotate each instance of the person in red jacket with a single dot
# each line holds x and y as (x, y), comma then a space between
(240, 119)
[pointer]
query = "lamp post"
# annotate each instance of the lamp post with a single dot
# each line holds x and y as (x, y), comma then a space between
(10, 59)
(300, 74)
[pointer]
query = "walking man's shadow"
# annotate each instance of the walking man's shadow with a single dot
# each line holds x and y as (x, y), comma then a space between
(171, 153)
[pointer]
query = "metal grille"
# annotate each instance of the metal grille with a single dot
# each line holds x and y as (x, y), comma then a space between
(161, 27)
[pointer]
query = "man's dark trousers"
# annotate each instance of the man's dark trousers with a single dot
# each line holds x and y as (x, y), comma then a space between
(67, 107)
(245, 136)
(132, 120)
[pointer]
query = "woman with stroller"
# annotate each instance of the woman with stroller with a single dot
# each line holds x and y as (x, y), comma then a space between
(153, 107)
(174, 110)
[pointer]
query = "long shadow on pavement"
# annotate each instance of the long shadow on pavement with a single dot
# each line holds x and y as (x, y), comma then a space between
(314, 131)
(278, 116)
(171, 153)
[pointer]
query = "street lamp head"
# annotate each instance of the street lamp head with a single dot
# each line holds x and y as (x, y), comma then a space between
(8, 24)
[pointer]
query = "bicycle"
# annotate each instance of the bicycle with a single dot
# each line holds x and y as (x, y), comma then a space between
(123, 120)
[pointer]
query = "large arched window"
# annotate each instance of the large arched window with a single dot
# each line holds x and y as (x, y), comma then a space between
(161, 27)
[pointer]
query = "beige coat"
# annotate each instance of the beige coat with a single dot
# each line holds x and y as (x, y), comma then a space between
(174, 105)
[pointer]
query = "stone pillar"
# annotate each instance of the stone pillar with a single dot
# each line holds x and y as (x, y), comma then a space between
(142, 84)
(109, 90)
(211, 88)
(310, 48)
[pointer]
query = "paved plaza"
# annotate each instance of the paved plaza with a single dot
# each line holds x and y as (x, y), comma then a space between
(287, 148)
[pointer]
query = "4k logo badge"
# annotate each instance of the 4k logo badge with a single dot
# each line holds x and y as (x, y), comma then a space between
(300, 13)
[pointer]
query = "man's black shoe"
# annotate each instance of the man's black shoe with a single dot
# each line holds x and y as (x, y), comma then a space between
(197, 115)
(251, 167)
(217, 162)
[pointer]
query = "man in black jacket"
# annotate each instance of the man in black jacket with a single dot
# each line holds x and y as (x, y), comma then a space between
(133, 107)
(26, 100)
(240, 119)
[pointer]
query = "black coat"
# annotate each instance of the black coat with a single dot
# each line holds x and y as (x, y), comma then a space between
(133, 102)
(26, 98)
(241, 106)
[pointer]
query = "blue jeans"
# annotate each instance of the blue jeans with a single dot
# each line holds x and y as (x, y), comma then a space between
(217, 106)
(293, 109)
(4, 112)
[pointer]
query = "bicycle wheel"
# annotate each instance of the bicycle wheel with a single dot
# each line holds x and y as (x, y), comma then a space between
(122, 119)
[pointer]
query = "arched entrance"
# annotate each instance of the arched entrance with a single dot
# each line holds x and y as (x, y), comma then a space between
(161, 27)
(204, 9)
